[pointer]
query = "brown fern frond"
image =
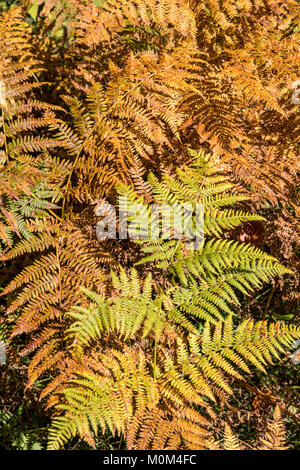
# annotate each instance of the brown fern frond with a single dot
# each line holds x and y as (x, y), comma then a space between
(49, 286)
(274, 438)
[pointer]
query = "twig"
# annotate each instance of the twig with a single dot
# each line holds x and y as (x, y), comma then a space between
(270, 298)
(268, 397)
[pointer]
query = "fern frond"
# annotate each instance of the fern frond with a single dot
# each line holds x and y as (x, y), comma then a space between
(274, 437)
(214, 272)
(201, 365)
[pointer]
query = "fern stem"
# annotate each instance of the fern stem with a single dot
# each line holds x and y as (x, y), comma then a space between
(59, 276)
(155, 359)
(5, 138)
(269, 299)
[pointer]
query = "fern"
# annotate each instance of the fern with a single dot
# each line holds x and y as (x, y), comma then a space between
(213, 274)
(185, 365)
(31, 179)
(92, 99)
(274, 438)
(127, 392)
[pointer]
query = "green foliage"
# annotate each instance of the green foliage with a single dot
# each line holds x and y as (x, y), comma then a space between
(5, 4)
(14, 436)
(29, 190)
(211, 274)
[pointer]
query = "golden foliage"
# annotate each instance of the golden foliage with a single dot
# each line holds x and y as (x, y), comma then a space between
(91, 99)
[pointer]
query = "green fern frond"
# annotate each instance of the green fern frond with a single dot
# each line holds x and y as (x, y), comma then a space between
(216, 271)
